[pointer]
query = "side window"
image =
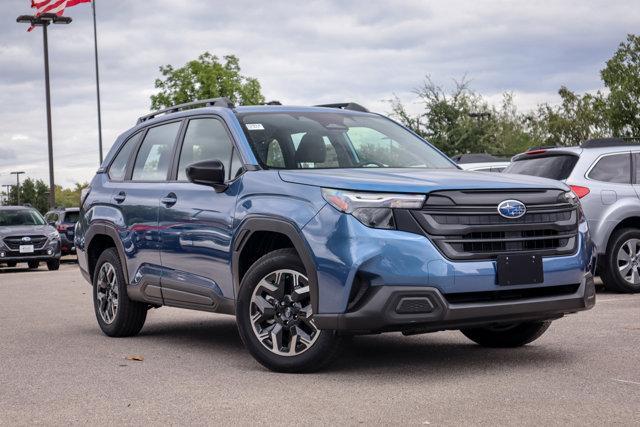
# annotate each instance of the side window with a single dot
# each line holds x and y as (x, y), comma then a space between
(236, 165)
(51, 217)
(636, 163)
(119, 165)
(615, 168)
(154, 156)
(205, 139)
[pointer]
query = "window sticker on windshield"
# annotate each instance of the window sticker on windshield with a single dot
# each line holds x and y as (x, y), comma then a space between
(255, 126)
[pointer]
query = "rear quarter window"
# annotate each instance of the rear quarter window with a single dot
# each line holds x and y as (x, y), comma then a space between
(554, 167)
(614, 168)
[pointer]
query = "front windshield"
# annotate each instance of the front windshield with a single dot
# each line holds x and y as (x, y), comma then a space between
(16, 217)
(325, 140)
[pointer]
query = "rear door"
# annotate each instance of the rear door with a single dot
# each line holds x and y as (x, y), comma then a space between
(196, 222)
(137, 198)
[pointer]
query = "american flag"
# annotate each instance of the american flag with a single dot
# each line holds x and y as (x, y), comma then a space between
(53, 6)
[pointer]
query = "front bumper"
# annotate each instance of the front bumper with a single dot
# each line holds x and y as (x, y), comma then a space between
(49, 251)
(379, 312)
(26, 258)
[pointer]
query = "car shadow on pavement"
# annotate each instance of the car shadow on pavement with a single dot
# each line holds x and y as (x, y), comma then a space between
(440, 354)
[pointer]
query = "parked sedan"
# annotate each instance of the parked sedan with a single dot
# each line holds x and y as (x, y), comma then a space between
(26, 237)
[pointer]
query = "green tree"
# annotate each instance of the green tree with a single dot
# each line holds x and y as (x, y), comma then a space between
(575, 119)
(203, 78)
(462, 121)
(621, 76)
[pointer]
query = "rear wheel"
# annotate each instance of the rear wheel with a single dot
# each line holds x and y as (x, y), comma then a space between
(33, 264)
(507, 335)
(117, 315)
(275, 316)
(622, 261)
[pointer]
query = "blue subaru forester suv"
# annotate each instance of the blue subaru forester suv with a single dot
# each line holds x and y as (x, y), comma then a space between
(310, 224)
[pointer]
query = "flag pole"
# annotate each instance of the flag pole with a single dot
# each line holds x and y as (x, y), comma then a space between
(95, 44)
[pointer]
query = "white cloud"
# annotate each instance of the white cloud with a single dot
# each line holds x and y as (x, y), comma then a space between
(302, 53)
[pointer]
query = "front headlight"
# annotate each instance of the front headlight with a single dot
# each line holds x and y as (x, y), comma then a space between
(372, 209)
(54, 236)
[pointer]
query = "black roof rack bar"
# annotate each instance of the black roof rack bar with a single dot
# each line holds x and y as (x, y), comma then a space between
(609, 142)
(345, 106)
(213, 102)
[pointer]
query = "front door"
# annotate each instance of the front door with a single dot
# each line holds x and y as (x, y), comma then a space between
(196, 222)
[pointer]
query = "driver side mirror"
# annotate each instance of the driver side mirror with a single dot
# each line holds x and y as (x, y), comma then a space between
(208, 172)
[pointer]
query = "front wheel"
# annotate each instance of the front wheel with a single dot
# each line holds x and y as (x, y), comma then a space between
(275, 317)
(33, 264)
(53, 264)
(507, 335)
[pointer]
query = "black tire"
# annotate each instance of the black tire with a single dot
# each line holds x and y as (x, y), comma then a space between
(33, 264)
(319, 354)
(129, 315)
(611, 276)
(53, 264)
(504, 336)
(12, 264)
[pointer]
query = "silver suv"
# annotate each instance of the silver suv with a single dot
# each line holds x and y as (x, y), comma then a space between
(605, 174)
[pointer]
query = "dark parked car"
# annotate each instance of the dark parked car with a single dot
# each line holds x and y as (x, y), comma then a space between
(26, 237)
(64, 220)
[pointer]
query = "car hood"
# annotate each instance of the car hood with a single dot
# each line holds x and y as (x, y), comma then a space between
(18, 230)
(408, 180)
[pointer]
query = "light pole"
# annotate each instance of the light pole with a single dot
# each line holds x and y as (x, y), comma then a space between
(43, 21)
(17, 174)
(7, 190)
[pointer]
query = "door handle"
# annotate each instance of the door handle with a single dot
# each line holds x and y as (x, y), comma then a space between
(169, 200)
(119, 198)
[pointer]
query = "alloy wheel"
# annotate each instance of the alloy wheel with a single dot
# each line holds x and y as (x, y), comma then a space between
(107, 292)
(629, 261)
(281, 313)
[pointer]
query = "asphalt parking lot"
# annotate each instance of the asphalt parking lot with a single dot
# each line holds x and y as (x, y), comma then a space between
(56, 367)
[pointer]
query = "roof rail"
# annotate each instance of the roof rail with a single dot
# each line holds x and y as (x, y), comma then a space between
(213, 102)
(345, 106)
(609, 142)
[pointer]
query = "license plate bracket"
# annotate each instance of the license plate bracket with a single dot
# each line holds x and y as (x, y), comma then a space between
(520, 269)
(26, 249)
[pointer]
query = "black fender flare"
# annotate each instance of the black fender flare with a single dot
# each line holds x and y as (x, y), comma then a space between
(282, 226)
(106, 229)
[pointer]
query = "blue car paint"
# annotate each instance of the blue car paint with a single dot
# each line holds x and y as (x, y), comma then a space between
(193, 243)
(343, 246)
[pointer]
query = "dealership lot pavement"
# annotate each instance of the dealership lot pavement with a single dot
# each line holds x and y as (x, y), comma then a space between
(56, 367)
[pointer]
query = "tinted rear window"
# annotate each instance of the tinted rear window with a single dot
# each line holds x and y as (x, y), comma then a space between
(71, 217)
(554, 167)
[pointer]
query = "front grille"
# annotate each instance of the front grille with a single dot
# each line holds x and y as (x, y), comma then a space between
(14, 242)
(466, 224)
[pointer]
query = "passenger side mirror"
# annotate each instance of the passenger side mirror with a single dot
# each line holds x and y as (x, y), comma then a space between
(208, 172)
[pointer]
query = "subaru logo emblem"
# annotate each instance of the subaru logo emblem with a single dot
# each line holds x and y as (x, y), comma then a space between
(511, 209)
(26, 239)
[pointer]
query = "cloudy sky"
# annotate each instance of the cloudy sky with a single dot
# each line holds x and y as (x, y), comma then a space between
(302, 53)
